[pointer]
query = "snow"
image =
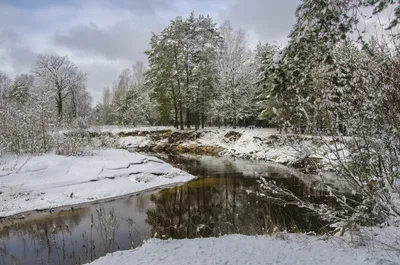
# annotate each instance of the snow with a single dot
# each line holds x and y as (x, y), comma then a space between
(252, 144)
(278, 56)
(134, 142)
(43, 182)
(118, 129)
(258, 144)
(283, 249)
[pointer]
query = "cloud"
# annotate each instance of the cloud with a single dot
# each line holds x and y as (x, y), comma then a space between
(140, 6)
(269, 20)
(101, 74)
(15, 51)
(125, 40)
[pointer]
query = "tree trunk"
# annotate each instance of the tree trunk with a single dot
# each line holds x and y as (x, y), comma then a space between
(59, 100)
(187, 89)
(43, 131)
(176, 126)
(181, 114)
(179, 91)
(73, 105)
(197, 120)
(187, 118)
(234, 119)
(202, 120)
(175, 107)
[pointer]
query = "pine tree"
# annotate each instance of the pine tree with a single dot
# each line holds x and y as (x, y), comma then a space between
(182, 70)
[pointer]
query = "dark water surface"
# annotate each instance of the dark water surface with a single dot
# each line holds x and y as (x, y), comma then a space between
(220, 201)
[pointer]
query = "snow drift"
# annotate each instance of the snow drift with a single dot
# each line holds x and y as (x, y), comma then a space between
(43, 182)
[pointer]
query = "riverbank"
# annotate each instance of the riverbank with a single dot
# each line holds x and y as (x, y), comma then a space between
(49, 181)
(284, 249)
(309, 154)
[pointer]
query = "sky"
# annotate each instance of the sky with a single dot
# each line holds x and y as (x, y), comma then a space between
(105, 36)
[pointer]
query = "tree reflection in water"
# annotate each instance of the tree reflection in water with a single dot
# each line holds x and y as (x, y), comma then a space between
(224, 203)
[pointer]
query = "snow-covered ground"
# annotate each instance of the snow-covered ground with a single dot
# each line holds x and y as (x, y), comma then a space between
(118, 129)
(48, 181)
(261, 144)
(284, 249)
(250, 144)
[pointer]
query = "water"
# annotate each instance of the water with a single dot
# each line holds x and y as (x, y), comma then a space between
(220, 201)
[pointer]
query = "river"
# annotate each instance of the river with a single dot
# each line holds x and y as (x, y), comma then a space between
(221, 200)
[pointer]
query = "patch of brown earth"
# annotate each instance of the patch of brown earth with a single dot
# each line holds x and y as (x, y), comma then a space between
(190, 149)
(232, 136)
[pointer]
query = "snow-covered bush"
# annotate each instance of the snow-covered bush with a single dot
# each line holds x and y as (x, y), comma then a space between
(25, 126)
(74, 142)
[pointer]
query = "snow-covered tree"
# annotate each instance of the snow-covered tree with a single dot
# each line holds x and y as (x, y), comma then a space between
(104, 113)
(128, 102)
(21, 87)
(325, 83)
(235, 74)
(136, 107)
(5, 83)
(182, 69)
(265, 100)
(62, 77)
(26, 118)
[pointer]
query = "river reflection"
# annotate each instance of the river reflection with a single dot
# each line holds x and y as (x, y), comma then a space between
(221, 201)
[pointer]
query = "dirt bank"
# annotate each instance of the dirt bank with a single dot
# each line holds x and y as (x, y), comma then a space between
(309, 154)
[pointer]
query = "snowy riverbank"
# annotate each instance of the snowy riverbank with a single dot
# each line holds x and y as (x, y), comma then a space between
(308, 153)
(284, 249)
(48, 181)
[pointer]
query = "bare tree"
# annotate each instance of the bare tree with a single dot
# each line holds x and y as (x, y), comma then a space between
(60, 75)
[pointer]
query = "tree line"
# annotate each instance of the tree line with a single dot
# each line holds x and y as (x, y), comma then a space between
(198, 75)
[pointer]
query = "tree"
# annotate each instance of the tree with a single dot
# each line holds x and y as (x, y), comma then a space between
(182, 69)
(130, 102)
(235, 72)
(137, 107)
(5, 83)
(265, 99)
(120, 88)
(61, 76)
(163, 74)
(78, 103)
(105, 111)
(21, 87)
(26, 118)
(324, 83)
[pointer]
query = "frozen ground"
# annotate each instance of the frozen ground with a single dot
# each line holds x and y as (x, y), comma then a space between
(283, 249)
(48, 181)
